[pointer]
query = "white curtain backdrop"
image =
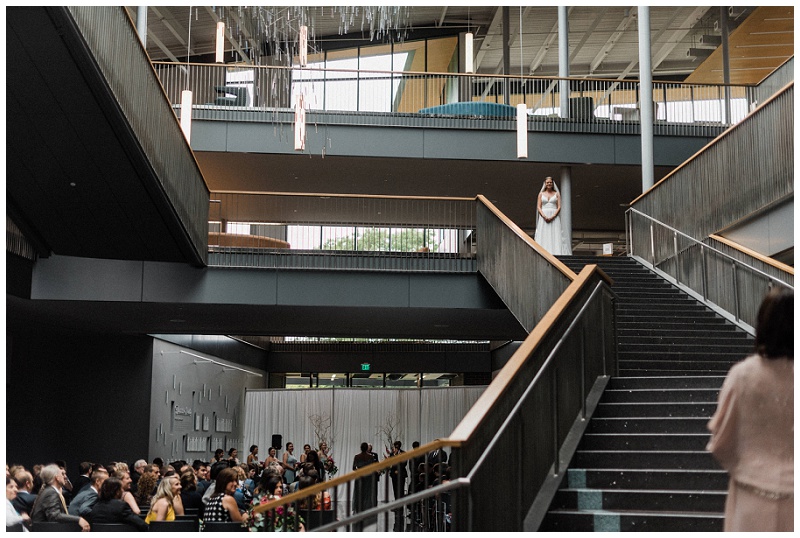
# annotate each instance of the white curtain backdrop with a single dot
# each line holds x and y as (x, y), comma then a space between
(356, 415)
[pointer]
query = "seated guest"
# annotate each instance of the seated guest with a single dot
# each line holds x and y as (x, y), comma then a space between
(110, 508)
(84, 477)
(201, 472)
(66, 488)
(270, 487)
(85, 499)
(125, 478)
(136, 474)
(50, 504)
(242, 495)
(163, 506)
(23, 502)
(13, 518)
(222, 505)
(191, 498)
(147, 485)
(321, 501)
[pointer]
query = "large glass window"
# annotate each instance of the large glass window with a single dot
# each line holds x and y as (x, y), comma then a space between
(368, 79)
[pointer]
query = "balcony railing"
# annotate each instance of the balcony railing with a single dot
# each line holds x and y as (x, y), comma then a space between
(466, 100)
(347, 232)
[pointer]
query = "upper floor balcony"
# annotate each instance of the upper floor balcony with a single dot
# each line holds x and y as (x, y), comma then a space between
(250, 93)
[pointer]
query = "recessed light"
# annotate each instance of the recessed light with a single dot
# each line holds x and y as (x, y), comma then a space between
(177, 321)
(72, 184)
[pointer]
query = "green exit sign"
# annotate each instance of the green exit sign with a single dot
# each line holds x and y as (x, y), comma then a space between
(364, 366)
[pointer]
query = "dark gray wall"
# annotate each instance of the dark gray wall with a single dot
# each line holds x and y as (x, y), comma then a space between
(76, 396)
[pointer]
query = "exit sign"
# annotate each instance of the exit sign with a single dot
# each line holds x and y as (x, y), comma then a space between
(364, 366)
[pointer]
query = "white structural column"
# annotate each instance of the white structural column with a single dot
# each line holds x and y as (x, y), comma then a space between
(141, 24)
(726, 62)
(566, 203)
(646, 98)
(563, 60)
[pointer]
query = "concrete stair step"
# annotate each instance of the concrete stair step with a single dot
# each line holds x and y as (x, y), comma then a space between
(658, 409)
(685, 479)
(660, 395)
(665, 368)
(682, 355)
(620, 521)
(660, 372)
(648, 425)
(641, 500)
(689, 335)
(651, 382)
(640, 459)
(672, 316)
(665, 307)
(657, 299)
(644, 441)
(719, 345)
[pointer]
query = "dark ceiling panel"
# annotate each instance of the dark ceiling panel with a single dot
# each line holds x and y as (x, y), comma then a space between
(60, 134)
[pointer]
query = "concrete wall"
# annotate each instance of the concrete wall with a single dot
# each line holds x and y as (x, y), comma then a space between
(197, 406)
(76, 396)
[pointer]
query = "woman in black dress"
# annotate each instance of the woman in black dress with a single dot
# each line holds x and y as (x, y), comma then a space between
(110, 508)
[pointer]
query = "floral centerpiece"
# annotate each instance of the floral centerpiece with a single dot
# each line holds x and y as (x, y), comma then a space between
(283, 517)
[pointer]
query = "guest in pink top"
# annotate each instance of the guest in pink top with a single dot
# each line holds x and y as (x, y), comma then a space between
(752, 431)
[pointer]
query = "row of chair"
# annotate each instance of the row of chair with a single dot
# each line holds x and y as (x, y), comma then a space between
(179, 525)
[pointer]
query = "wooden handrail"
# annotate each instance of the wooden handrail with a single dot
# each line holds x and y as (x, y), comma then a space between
(760, 257)
(339, 195)
(477, 414)
(359, 473)
(527, 238)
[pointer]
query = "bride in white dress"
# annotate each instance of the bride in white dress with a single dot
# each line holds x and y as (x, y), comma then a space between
(549, 232)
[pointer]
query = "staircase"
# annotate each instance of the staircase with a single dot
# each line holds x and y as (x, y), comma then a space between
(642, 464)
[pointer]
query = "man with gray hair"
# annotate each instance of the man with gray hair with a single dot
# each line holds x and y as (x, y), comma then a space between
(50, 504)
(136, 474)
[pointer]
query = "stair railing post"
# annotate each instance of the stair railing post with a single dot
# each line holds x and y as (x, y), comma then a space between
(629, 235)
(677, 265)
(703, 267)
(554, 403)
(735, 292)
(652, 247)
(583, 374)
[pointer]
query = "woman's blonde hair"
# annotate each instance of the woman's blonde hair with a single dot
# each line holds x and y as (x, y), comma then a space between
(164, 490)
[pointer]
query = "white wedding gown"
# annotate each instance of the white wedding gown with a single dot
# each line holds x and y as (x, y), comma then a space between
(550, 234)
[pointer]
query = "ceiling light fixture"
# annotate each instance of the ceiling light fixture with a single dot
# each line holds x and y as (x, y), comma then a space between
(220, 42)
(186, 95)
(522, 108)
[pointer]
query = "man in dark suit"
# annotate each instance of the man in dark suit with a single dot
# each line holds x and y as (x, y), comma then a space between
(24, 499)
(398, 474)
(50, 504)
(83, 502)
(83, 480)
(136, 474)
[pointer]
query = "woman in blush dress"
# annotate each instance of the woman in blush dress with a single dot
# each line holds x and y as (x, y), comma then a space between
(752, 431)
(549, 231)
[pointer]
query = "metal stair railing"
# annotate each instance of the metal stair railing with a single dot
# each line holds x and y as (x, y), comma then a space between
(730, 286)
